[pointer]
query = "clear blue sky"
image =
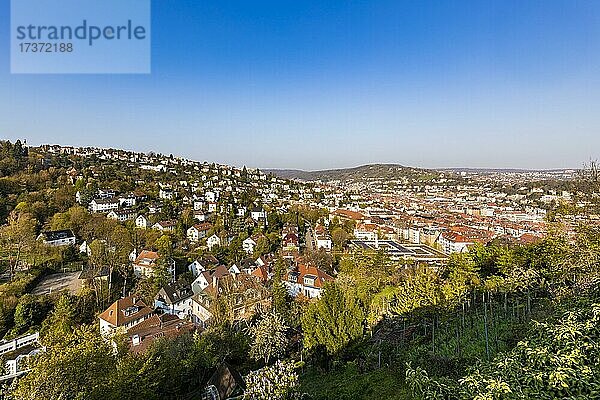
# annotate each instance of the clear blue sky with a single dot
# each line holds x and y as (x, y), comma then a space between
(317, 84)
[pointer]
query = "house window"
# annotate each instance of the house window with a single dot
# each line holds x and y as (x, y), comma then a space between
(309, 280)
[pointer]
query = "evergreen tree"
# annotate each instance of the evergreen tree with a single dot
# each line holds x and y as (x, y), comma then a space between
(334, 321)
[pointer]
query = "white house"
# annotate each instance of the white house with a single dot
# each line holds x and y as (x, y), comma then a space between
(248, 245)
(104, 205)
(57, 238)
(198, 231)
(258, 213)
(154, 208)
(175, 299)
(121, 215)
(202, 264)
(200, 215)
(452, 242)
(201, 304)
(323, 242)
(165, 226)
(146, 263)
(16, 353)
(123, 314)
(306, 280)
(213, 241)
(142, 222)
(85, 248)
(127, 201)
(212, 207)
(365, 232)
(208, 278)
(106, 193)
(210, 197)
(7, 346)
(196, 268)
(166, 194)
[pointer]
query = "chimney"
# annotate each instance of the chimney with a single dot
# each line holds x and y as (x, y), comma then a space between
(376, 241)
(214, 280)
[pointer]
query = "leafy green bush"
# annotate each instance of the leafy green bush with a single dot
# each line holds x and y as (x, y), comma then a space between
(558, 359)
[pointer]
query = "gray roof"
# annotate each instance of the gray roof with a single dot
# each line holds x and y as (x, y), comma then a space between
(50, 236)
(174, 293)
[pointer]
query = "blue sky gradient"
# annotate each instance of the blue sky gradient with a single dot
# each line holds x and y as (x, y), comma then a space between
(318, 84)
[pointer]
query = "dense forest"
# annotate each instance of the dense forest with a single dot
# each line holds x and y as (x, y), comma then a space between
(504, 321)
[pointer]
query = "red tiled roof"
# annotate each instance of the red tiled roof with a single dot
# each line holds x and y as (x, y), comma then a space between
(528, 238)
(115, 314)
(322, 276)
(261, 273)
(147, 255)
(206, 226)
(349, 214)
(158, 327)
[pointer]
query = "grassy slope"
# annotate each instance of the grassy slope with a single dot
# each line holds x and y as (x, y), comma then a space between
(347, 383)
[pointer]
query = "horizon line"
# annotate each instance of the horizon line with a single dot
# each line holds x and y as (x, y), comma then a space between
(363, 164)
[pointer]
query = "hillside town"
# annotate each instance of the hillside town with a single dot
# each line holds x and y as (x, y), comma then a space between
(167, 247)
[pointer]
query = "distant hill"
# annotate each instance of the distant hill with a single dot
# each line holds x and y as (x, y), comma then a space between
(509, 170)
(363, 172)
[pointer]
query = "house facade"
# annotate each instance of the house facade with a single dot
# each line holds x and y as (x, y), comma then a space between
(142, 222)
(122, 315)
(146, 263)
(121, 215)
(213, 241)
(175, 299)
(307, 281)
(198, 232)
(104, 205)
(57, 238)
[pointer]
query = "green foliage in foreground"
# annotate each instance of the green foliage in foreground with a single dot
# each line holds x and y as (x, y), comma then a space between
(278, 381)
(334, 321)
(75, 367)
(349, 383)
(558, 359)
(80, 364)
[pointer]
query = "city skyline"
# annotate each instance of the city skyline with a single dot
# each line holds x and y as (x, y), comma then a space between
(319, 86)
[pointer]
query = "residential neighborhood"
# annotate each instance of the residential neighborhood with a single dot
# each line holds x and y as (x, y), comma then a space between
(178, 249)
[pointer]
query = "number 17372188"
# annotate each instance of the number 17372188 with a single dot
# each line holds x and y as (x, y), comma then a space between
(45, 47)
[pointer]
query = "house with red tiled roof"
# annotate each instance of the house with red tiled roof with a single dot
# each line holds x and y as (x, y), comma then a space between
(198, 231)
(290, 242)
(454, 242)
(142, 335)
(347, 215)
(529, 238)
(165, 226)
(365, 231)
(262, 273)
(306, 280)
(146, 263)
(243, 296)
(123, 314)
